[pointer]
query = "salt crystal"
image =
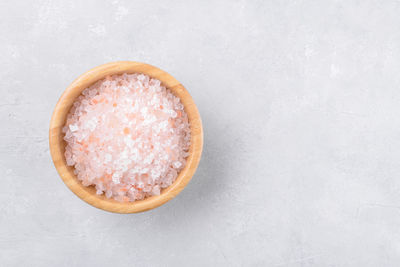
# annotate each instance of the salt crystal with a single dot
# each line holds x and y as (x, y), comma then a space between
(177, 164)
(115, 178)
(73, 127)
(107, 158)
(128, 136)
(156, 190)
(70, 162)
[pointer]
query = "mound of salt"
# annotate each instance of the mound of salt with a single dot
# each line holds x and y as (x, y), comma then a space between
(128, 136)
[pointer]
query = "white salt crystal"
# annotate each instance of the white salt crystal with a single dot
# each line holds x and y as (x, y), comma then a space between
(155, 174)
(156, 83)
(156, 190)
(115, 178)
(144, 170)
(144, 110)
(177, 164)
(73, 127)
(107, 158)
(148, 159)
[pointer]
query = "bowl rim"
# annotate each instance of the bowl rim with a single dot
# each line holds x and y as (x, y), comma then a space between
(57, 144)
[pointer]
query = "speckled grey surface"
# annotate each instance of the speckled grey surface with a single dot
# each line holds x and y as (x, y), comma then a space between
(300, 106)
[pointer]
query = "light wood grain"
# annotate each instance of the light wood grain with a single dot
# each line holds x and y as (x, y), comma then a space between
(57, 144)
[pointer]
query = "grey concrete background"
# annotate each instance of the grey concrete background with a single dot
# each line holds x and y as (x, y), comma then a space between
(300, 105)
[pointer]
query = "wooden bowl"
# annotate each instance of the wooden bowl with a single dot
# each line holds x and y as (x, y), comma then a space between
(57, 143)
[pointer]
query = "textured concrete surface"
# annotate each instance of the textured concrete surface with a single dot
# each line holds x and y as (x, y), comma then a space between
(300, 105)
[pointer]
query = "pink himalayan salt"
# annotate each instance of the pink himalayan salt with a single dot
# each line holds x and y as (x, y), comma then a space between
(128, 136)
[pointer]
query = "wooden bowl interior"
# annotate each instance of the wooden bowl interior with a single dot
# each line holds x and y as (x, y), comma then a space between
(57, 143)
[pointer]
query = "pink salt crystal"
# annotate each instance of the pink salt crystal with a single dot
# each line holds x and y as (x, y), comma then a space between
(128, 136)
